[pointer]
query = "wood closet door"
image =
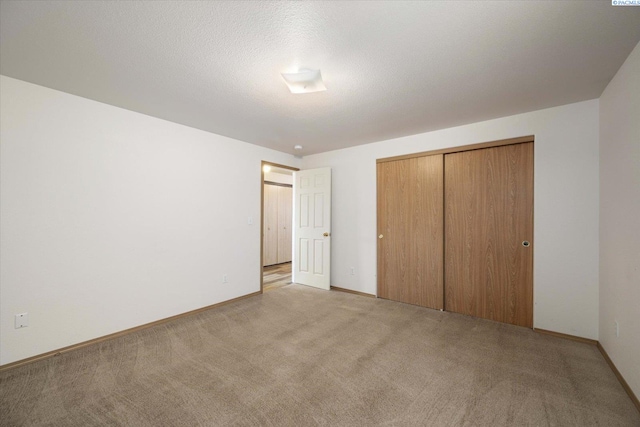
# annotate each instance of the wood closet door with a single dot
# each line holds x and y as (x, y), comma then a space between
(410, 214)
(488, 215)
(270, 226)
(285, 199)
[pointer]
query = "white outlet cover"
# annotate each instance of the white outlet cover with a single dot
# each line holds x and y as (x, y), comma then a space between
(22, 320)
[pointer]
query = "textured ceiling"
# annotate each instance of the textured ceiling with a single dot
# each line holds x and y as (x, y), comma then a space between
(391, 68)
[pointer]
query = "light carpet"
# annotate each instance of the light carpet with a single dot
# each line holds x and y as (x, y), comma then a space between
(298, 356)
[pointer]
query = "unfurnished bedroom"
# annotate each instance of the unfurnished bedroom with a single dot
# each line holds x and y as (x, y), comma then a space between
(332, 213)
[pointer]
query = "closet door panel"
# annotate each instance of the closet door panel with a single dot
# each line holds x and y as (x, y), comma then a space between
(285, 198)
(270, 227)
(488, 215)
(410, 229)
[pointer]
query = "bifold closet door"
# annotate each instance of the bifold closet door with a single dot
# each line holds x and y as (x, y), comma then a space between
(270, 226)
(285, 200)
(488, 233)
(410, 231)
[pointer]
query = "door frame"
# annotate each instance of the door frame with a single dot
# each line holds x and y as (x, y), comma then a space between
(459, 148)
(262, 165)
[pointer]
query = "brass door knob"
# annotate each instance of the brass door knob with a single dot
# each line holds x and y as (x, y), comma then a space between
(380, 236)
(326, 234)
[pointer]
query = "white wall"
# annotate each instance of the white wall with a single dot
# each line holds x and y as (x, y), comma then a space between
(278, 177)
(565, 212)
(110, 219)
(620, 219)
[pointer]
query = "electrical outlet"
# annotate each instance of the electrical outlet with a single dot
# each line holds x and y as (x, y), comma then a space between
(353, 271)
(224, 278)
(22, 320)
(617, 326)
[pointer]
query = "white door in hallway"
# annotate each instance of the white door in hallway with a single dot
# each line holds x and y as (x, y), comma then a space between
(312, 228)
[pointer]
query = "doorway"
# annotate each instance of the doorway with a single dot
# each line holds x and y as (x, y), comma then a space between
(276, 226)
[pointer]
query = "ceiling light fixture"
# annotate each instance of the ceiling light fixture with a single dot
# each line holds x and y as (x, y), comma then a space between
(304, 81)
(297, 147)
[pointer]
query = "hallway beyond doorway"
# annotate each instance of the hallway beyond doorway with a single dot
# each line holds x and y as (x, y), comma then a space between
(276, 276)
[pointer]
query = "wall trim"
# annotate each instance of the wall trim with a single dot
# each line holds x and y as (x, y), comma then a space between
(567, 336)
(623, 383)
(618, 375)
(80, 345)
(349, 291)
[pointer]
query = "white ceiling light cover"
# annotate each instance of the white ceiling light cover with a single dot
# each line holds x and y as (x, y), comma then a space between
(304, 81)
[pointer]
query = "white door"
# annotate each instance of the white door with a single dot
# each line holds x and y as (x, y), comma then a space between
(312, 227)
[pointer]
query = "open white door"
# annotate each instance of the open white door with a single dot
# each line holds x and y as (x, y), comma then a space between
(312, 227)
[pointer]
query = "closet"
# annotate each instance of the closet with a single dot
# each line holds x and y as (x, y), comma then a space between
(455, 230)
(410, 227)
(277, 224)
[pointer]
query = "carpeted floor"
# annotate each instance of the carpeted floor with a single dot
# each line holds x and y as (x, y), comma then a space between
(299, 356)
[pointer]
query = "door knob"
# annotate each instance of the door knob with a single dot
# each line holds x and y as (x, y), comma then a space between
(380, 236)
(326, 234)
(526, 243)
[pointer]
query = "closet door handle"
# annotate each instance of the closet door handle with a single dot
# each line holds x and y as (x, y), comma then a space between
(380, 236)
(526, 243)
